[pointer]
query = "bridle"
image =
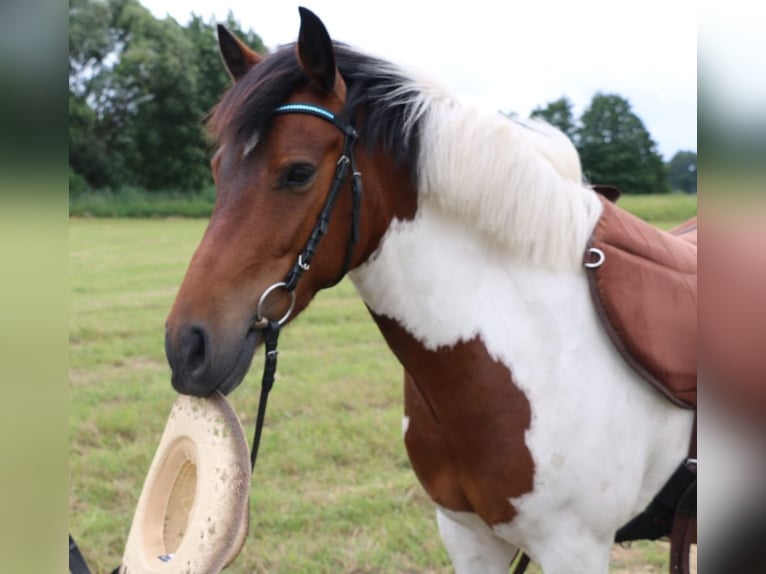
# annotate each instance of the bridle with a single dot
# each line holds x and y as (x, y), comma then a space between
(345, 161)
(270, 328)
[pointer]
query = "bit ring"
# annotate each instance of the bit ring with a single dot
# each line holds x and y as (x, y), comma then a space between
(260, 320)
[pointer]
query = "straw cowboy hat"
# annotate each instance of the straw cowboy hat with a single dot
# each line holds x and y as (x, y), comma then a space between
(192, 516)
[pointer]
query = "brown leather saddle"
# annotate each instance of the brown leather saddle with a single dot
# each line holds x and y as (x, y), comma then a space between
(644, 285)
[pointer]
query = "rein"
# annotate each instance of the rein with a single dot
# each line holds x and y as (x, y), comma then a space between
(270, 328)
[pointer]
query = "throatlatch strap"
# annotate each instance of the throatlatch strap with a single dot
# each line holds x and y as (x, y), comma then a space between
(356, 213)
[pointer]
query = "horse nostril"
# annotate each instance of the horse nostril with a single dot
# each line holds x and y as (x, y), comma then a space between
(194, 349)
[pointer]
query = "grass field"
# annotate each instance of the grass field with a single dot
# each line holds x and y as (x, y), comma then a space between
(333, 490)
(136, 203)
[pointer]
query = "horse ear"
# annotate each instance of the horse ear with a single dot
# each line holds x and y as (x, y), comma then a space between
(237, 57)
(315, 51)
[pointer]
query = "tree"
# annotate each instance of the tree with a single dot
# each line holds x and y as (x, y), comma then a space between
(155, 96)
(89, 154)
(212, 78)
(558, 113)
(616, 148)
(91, 42)
(682, 171)
(139, 89)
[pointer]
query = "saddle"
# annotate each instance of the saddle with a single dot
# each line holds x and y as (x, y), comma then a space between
(644, 285)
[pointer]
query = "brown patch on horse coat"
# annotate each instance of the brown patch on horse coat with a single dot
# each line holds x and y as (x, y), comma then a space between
(467, 425)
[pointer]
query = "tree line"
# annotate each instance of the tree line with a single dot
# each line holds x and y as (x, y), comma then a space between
(616, 148)
(140, 89)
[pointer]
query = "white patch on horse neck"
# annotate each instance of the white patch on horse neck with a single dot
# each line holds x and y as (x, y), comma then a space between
(405, 424)
(602, 440)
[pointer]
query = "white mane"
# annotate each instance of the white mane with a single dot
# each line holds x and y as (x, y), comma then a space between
(519, 182)
(554, 146)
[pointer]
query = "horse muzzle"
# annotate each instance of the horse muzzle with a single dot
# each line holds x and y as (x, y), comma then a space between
(201, 365)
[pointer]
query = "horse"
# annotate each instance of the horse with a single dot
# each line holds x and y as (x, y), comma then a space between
(463, 233)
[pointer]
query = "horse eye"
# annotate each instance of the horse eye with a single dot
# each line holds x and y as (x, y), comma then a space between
(298, 175)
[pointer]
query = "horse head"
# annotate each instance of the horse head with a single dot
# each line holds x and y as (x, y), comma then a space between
(286, 141)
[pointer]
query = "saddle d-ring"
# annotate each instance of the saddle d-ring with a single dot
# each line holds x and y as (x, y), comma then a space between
(599, 255)
(260, 320)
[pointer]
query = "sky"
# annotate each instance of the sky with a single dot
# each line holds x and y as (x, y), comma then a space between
(511, 55)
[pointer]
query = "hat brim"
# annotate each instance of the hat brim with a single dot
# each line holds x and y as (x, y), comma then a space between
(192, 515)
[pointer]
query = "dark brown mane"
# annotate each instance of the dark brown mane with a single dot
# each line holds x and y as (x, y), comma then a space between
(385, 95)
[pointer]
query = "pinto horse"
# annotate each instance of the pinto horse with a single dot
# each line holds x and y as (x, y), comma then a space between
(522, 422)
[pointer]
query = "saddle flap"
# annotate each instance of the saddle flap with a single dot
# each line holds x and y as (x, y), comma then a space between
(645, 291)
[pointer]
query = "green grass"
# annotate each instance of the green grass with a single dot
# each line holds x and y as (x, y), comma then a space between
(131, 202)
(662, 210)
(333, 490)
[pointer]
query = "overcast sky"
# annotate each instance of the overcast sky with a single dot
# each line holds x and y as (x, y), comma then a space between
(512, 55)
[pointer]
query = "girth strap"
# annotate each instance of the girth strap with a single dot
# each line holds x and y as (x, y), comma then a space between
(684, 518)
